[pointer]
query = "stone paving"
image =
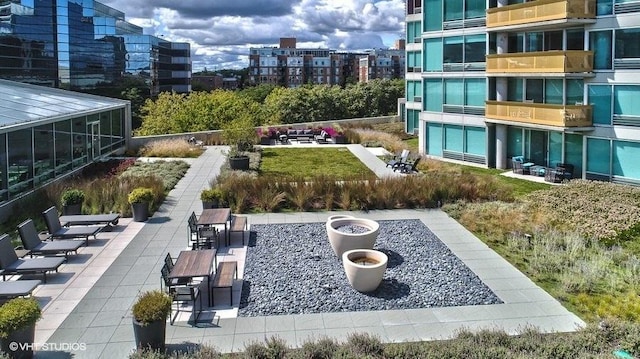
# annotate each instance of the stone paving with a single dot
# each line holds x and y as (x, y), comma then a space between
(87, 305)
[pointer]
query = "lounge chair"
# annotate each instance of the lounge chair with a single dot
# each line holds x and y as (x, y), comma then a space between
(408, 167)
(32, 242)
(11, 264)
(397, 160)
(107, 219)
(17, 288)
(56, 231)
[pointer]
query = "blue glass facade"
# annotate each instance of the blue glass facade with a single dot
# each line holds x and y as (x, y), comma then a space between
(84, 45)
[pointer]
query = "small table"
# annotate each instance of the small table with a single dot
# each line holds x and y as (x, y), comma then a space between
(536, 170)
(216, 216)
(190, 264)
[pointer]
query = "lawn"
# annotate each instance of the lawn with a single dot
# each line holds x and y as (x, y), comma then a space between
(309, 162)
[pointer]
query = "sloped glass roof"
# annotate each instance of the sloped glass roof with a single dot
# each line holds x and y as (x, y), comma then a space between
(22, 103)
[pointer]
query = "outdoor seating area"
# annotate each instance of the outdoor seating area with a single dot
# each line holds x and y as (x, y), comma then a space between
(403, 164)
(560, 172)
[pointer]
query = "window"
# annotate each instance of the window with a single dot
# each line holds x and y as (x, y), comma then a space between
(474, 9)
(434, 9)
(453, 138)
(626, 100)
(625, 159)
(598, 156)
(432, 102)
(414, 89)
(553, 92)
(433, 54)
(475, 141)
(575, 39)
(453, 10)
(600, 42)
(474, 92)
(413, 31)
(575, 92)
(604, 7)
(434, 139)
(627, 43)
(452, 49)
(453, 92)
(600, 99)
(474, 48)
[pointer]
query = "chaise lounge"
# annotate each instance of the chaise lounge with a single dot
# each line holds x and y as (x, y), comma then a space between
(17, 288)
(11, 264)
(56, 231)
(32, 242)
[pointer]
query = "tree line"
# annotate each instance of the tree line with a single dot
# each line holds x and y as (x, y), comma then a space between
(268, 105)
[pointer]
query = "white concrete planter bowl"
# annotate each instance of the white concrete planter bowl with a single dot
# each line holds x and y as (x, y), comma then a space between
(343, 241)
(364, 268)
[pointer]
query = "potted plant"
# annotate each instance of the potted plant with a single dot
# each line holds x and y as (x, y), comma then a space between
(150, 313)
(239, 134)
(18, 319)
(140, 198)
(265, 138)
(211, 197)
(339, 137)
(71, 200)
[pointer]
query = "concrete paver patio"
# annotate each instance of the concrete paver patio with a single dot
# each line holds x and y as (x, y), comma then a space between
(89, 302)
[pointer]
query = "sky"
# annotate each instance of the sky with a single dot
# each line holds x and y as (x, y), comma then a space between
(222, 31)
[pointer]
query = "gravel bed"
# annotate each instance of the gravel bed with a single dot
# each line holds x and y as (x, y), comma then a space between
(291, 269)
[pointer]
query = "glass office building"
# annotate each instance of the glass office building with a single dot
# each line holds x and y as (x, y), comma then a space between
(551, 80)
(47, 133)
(84, 45)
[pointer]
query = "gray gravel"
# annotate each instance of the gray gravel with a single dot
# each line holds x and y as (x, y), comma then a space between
(291, 269)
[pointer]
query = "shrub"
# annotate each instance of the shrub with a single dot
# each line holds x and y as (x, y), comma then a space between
(178, 148)
(214, 194)
(152, 306)
(72, 196)
(18, 313)
(140, 195)
(323, 348)
(364, 344)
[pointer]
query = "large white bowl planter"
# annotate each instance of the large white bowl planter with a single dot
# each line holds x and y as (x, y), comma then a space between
(343, 241)
(364, 268)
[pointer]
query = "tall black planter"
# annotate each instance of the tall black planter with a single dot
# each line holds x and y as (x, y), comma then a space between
(140, 211)
(151, 335)
(340, 139)
(24, 338)
(72, 209)
(239, 163)
(210, 204)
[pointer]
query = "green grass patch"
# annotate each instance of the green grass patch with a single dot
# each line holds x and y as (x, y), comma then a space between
(309, 162)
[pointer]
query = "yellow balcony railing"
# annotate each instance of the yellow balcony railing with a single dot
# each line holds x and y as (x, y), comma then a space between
(540, 113)
(540, 10)
(543, 61)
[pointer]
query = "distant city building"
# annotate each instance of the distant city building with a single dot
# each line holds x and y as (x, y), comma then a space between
(551, 83)
(290, 66)
(85, 45)
(214, 82)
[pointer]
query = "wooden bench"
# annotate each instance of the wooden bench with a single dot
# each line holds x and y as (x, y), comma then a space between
(225, 274)
(238, 224)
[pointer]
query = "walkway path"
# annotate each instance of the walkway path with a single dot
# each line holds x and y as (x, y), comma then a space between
(99, 318)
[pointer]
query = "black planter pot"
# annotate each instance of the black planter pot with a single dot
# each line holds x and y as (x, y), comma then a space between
(72, 209)
(24, 338)
(151, 335)
(340, 139)
(239, 163)
(210, 204)
(265, 141)
(140, 211)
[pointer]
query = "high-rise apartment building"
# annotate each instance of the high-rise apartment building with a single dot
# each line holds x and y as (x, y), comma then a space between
(290, 66)
(551, 80)
(85, 45)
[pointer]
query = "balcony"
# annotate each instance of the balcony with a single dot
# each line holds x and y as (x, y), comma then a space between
(561, 62)
(539, 113)
(540, 11)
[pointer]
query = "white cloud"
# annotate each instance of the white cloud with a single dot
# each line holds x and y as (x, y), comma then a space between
(221, 32)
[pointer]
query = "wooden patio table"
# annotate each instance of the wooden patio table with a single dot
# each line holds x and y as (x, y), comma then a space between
(216, 216)
(190, 264)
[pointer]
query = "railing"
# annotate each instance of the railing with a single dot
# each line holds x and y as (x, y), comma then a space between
(540, 10)
(540, 114)
(543, 61)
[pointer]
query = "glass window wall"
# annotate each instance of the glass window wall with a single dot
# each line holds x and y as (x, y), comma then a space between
(43, 153)
(625, 159)
(598, 156)
(627, 43)
(433, 102)
(453, 140)
(600, 42)
(626, 100)
(434, 139)
(475, 140)
(433, 54)
(600, 100)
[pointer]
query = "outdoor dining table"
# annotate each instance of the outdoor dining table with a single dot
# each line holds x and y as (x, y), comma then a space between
(216, 216)
(190, 264)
